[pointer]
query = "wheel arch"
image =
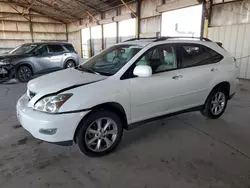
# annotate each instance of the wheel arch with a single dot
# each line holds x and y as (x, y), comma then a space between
(111, 106)
(69, 59)
(225, 85)
(28, 64)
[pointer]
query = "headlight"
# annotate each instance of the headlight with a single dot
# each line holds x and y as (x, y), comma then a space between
(52, 104)
(5, 62)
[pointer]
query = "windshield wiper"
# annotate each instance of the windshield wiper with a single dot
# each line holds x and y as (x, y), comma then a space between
(89, 70)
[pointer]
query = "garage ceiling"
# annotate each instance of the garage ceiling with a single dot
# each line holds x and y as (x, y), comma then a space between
(66, 10)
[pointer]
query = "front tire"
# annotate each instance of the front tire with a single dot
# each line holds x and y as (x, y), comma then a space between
(24, 73)
(216, 104)
(100, 133)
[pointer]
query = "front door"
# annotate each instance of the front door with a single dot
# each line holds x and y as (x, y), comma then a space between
(41, 60)
(159, 94)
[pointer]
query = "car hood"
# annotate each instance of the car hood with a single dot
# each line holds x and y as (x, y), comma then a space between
(61, 80)
(12, 56)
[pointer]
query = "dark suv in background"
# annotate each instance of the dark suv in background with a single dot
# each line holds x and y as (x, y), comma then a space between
(32, 59)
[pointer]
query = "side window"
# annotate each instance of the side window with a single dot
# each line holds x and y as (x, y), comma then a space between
(55, 48)
(215, 57)
(43, 50)
(169, 60)
(69, 47)
(195, 55)
(160, 59)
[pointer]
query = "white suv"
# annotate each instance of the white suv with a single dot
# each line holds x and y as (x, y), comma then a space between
(126, 85)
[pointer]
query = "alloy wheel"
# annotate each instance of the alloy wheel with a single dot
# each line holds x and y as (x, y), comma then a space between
(218, 103)
(70, 64)
(101, 134)
(24, 73)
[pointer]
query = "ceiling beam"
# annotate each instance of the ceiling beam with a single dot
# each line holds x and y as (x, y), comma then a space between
(21, 13)
(40, 14)
(54, 17)
(56, 9)
(89, 6)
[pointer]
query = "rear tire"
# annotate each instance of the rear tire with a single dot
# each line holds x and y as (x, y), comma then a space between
(216, 103)
(69, 64)
(24, 73)
(100, 133)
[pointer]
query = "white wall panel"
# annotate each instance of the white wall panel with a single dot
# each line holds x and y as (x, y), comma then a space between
(236, 40)
(49, 27)
(233, 39)
(151, 25)
(148, 8)
(239, 47)
(222, 34)
(74, 39)
(226, 42)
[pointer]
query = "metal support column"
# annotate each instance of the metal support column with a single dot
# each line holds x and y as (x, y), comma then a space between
(203, 17)
(117, 26)
(138, 19)
(102, 17)
(31, 28)
(67, 34)
(90, 44)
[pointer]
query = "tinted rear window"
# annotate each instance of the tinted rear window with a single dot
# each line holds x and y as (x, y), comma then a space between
(196, 55)
(69, 47)
(55, 48)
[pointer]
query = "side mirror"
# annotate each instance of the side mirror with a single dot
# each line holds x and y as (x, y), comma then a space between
(143, 71)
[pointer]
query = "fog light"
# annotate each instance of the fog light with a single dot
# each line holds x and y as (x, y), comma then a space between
(48, 131)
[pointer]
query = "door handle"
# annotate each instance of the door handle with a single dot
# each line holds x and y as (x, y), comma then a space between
(177, 77)
(214, 69)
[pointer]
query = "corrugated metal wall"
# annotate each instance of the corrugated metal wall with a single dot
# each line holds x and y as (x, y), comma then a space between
(230, 24)
(15, 29)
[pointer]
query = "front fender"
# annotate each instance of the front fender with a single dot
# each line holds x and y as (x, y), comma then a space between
(89, 96)
(17, 65)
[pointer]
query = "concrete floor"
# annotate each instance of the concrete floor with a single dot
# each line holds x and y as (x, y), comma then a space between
(179, 152)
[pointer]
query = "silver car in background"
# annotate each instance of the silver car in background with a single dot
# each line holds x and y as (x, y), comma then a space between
(32, 59)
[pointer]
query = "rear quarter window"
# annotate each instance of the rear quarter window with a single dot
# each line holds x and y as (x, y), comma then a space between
(69, 47)
(196, 55)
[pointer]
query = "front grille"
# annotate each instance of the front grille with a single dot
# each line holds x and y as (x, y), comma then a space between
(31, 94)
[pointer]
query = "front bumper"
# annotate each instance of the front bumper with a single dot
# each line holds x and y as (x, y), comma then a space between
(33, 121)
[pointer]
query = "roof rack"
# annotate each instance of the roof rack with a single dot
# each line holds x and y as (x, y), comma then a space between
(166, 38)
(140, 39)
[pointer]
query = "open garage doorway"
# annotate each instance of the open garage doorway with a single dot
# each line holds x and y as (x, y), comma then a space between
(127, 29)
(85, 43)
(96, 39)
(182, 22)
(110, 34)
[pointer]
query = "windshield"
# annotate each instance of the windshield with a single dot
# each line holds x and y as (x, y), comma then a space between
(110, 61)
(23, 49)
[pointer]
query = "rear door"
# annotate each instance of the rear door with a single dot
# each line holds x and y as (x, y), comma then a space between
(56, 53)
(198, 69)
